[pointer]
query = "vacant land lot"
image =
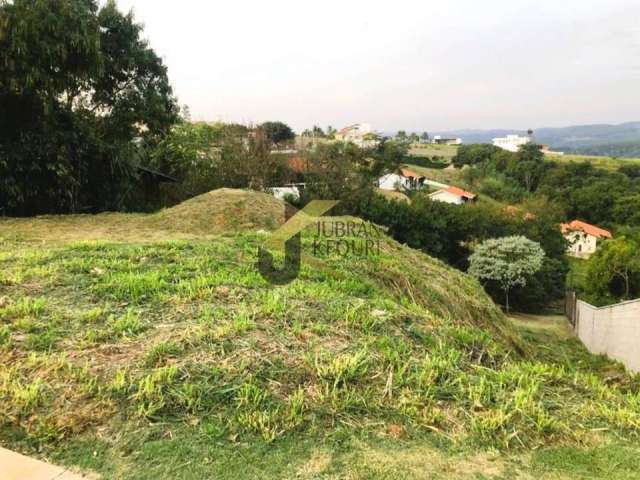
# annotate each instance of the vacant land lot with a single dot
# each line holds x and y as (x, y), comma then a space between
(143, 358)
(451, 176)
(607, 163)
(446, 152)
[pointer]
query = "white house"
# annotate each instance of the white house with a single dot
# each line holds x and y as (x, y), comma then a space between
(360, 134)
(453, 195)
(293, 190)
(583, 238)
(439, 140)
(546, 149)
(404, 179)
(511, 143)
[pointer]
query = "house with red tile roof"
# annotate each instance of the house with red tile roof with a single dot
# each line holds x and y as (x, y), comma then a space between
(453, 195)
(404, 179)
(583, 238)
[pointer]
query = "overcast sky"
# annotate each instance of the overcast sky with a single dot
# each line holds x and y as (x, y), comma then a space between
(414, 65)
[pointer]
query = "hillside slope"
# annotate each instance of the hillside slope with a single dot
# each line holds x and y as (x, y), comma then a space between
(622, 140)
(208, 215)
(120, 343)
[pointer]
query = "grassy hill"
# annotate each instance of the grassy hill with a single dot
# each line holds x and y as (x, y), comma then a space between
(445, 152)
(443, 175)
(621, 140)
(167, 355)
(607, 163)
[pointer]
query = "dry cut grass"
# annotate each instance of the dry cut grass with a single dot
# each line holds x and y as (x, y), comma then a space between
(208, 215)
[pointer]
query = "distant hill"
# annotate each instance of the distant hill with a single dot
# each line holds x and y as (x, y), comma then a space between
(621, 140)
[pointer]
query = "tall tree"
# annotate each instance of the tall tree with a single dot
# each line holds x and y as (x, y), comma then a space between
(614, 271)
(77, 86)
(529, 166)
(508, 261)
(277, 132)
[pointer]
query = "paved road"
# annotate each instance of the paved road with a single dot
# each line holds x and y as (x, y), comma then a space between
(14, 466)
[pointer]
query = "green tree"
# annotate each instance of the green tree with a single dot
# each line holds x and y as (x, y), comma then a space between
(508, 261)
(401, 137)
(632, 170)
(473, 154)
(277, 132)
(528, 167)
(613, 272)
(204, 157)
(80, 93)
(191, 153)
(626, 210)
(347, 172)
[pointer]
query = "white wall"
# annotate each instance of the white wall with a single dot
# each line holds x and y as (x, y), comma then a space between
(446, 197)
(393, 181)
(512, 143)
(281, 192)
(613, 331)
(581, 244)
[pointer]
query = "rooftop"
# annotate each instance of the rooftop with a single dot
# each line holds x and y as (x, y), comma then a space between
(459, 192)
(578, 225)
(405, 172)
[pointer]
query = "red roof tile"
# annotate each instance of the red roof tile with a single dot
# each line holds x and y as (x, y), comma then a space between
(578, 225)
(459, 192)
(405, 172)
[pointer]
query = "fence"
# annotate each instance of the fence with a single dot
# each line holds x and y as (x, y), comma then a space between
(613, 330)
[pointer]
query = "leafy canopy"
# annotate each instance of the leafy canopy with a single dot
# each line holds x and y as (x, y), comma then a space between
(77, 86)
(509, 261)
(277, 132)
(614, 271)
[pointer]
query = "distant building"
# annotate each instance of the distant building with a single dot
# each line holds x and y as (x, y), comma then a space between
(583, 238)
(404, 179)
(288, 191)
(360, 134)
(439, 140)
(512, 143)
(453, 195)
(546, 149)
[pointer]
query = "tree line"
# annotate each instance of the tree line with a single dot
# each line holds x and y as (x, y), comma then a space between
(80, 92)
(89, 121)
(578, 189)
(609, 198)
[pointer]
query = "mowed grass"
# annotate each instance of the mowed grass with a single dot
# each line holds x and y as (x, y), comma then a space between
(176, 359)
(445, 152)
(452, 176)
(607, 163)
(205, 216)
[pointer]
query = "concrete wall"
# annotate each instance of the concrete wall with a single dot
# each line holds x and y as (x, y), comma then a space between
(612, 330)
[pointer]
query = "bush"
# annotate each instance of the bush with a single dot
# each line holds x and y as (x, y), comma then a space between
(473, 154)
(501, 189)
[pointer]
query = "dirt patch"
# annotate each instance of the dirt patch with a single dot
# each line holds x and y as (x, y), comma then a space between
(314, 466)
(420, 462)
